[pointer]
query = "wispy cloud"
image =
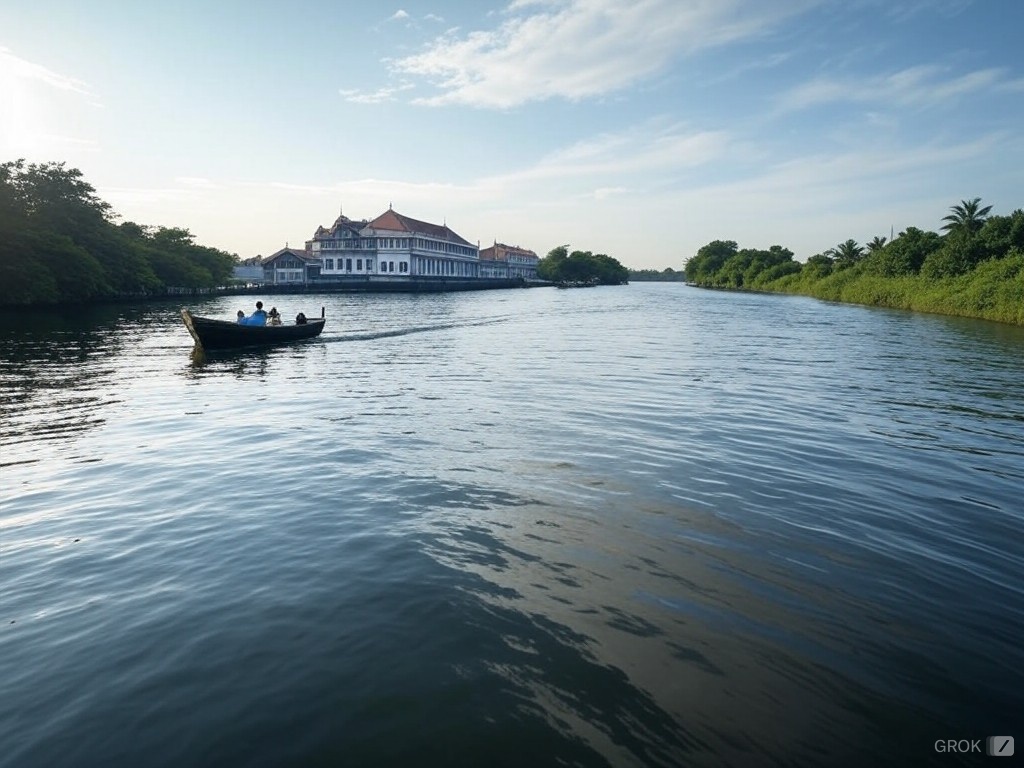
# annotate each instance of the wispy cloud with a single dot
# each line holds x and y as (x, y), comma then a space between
(1011, 86)
(379, 96)
(642, 149)
(408, 20)
(922, 86)
(904, 11)
(578, 49)
(22, 68)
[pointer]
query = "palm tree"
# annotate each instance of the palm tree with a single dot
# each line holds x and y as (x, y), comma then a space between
(847, 253)
(877, 244)
(967, 216)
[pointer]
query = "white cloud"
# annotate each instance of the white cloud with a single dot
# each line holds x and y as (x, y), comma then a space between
(648, 149)
(379, 96)
(921, 86)
(399, 15)
(22, 68)
(905, 11)
(38, 111)
(578, 49)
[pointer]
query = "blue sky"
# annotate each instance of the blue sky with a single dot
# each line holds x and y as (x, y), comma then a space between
(643, 129)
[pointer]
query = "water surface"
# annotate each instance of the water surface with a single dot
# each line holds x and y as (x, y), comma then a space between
(634, 526)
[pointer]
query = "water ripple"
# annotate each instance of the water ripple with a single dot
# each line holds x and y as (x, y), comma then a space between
(640, 526)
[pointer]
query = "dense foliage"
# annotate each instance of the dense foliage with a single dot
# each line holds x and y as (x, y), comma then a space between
(59, 243)
(667, 275)
(974, 269)
(560, 266)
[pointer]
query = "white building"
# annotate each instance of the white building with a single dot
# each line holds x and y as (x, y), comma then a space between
(290, 265)
(509, 261)
(392, 245)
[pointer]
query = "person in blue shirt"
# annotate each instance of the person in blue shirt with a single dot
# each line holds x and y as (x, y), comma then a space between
(259, 317)
(241, 318)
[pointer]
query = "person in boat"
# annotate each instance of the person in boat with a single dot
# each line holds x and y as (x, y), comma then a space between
(300, 319)
(259, 317)
(274, 317)
(241, 318)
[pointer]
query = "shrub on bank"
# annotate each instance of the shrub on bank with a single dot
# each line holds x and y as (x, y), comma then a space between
(975, 270)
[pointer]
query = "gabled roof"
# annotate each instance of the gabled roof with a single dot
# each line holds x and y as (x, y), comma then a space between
(392, 221)
(341, 223)
(344, 222)
(293, 252)
(501, 252)
(516, 249)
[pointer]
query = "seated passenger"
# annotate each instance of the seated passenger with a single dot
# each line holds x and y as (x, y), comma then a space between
(259, 317)
(241, 318)
(300, 319)
(274, 316)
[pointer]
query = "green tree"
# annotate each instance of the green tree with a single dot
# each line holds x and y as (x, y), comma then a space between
(905, 254)
(961, 251)
(582, 266)
(847, 254)
(818, 266)
(968, 215)
(59, 243)
(876, 244)
(1000, 234)
(549, 267)
(707, 262)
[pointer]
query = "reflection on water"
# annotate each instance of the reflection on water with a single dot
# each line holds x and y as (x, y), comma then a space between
(242, 363)
(642, 526)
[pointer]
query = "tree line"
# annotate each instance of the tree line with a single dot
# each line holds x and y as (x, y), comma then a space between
(59, 243)
(667, 275)
(974, 268)
(560, 266)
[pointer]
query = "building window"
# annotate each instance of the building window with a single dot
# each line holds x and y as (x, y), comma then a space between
(348, 265)
(403, 266)
(391, 266)
(359, 265)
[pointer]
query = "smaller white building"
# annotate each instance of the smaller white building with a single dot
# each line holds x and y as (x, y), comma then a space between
(290, 265)
(510, 261)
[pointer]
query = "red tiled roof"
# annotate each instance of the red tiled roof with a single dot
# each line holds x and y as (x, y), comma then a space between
(393, 221)
(500, 251)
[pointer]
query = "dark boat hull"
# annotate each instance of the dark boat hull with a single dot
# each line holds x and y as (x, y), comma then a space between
(222, 334)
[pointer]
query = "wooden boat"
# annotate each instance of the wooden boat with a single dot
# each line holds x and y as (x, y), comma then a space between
(228, 334)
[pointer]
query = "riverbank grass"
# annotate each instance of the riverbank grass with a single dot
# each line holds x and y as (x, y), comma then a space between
(994, 290)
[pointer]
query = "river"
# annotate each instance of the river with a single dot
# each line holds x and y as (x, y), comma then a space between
(647, 525)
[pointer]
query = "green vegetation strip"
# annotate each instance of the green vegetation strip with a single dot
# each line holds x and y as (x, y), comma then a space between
(975, 269)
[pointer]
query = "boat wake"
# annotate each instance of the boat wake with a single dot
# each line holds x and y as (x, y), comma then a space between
(369, 335)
